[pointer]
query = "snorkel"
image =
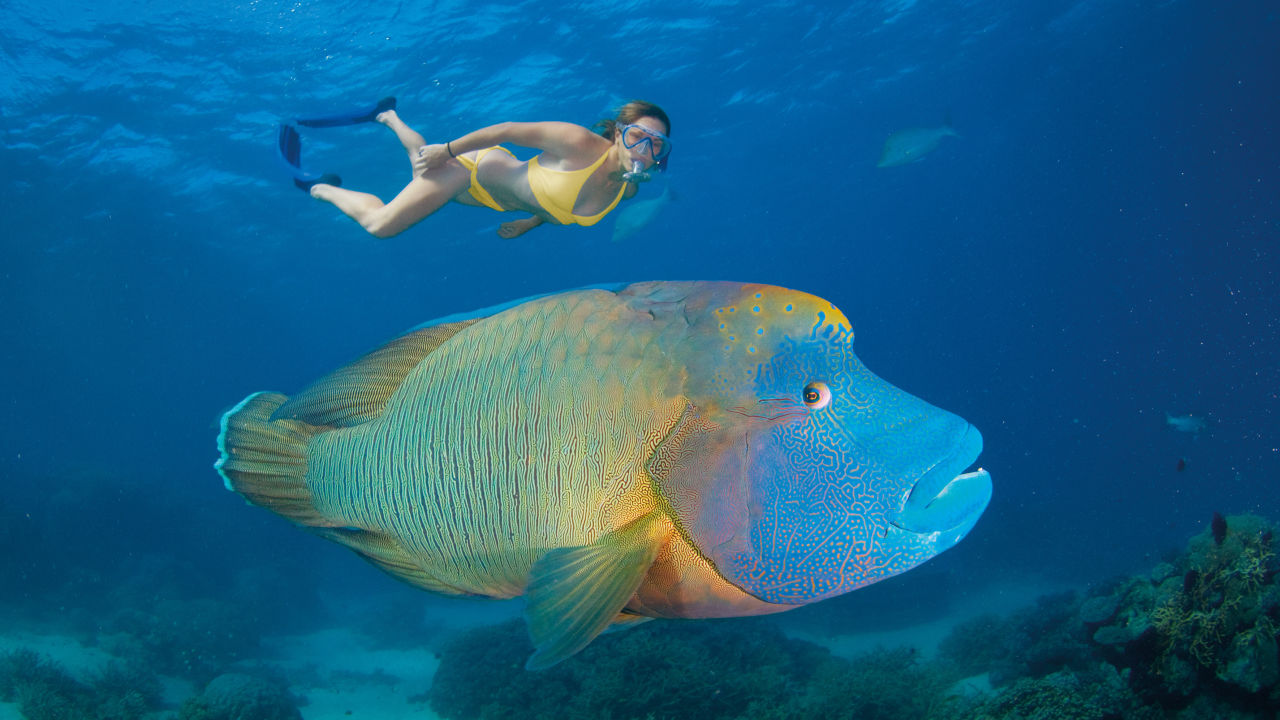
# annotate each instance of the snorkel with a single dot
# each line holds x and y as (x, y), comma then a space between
(637, 173)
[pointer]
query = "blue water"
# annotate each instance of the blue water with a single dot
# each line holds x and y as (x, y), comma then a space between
(1097, 247)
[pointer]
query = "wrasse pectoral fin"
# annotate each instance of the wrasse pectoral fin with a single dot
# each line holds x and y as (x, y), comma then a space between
(575, 593)
(626, 621)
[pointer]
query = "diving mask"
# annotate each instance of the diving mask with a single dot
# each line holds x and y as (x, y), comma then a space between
(659, 145)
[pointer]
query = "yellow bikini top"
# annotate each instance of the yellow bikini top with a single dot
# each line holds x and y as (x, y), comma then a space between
(557, 191)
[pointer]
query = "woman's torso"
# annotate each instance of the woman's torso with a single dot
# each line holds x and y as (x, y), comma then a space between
(506, 178)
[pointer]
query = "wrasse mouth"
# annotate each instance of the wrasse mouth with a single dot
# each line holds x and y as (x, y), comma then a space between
(960, 502)
(944, 499)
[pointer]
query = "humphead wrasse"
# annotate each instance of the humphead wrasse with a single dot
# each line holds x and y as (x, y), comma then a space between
(655, 450)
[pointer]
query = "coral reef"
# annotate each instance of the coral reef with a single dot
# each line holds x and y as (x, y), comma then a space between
(192, 638)
(886, 684)
(1097, 695)
(1206, 623)
(1195, 637)
(725, 669)
(235, 695)
(44, 691)
(1031, 642)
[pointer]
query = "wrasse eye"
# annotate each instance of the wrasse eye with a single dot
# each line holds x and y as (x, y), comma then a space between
(816, 395)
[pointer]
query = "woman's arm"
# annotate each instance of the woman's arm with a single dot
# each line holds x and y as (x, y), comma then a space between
(562, 139)
(515, 228)
(558, 138)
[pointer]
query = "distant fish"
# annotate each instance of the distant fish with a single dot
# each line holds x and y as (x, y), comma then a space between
(639, 214)
(1182, 464)
(1186, 423)
(912, 144)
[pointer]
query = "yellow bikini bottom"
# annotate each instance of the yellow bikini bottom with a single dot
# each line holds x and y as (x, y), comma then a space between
(477, 190)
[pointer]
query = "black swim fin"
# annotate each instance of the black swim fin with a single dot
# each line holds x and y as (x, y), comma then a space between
(353, 117)
(327, 179)
(290, 145)
(290, 142)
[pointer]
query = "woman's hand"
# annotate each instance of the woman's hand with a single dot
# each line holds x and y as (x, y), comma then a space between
(430, 157)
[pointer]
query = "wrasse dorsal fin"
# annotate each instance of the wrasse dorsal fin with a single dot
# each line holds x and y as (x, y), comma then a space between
(575, 593)
(358, 393)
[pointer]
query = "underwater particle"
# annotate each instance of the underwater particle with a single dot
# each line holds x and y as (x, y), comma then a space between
(1219, 527)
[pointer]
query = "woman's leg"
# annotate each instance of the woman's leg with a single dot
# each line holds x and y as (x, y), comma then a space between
(421, 197)
(408, 137)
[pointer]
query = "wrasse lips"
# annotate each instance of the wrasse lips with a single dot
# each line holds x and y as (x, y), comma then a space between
(960, 501)
(947, 497)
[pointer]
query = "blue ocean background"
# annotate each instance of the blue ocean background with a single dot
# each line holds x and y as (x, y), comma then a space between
(1096, 248)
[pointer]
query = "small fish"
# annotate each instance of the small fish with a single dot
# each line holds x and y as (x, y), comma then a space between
(1182, 464)
(638, 214)
(911, 145)
(1186, 423)
(661, 449)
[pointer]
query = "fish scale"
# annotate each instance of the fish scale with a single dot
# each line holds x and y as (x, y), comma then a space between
(457, 537)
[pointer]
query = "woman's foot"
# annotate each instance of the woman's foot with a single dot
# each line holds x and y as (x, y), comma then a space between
(516, 228)
(309, 186)
(409, 138)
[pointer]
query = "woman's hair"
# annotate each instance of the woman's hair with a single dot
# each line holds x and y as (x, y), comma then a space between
(628, 114)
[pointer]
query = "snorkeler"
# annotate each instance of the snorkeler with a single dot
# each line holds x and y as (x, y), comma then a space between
(579, 177)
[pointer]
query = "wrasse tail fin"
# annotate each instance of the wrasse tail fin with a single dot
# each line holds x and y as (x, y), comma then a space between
(575, 593)
(266, 461)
